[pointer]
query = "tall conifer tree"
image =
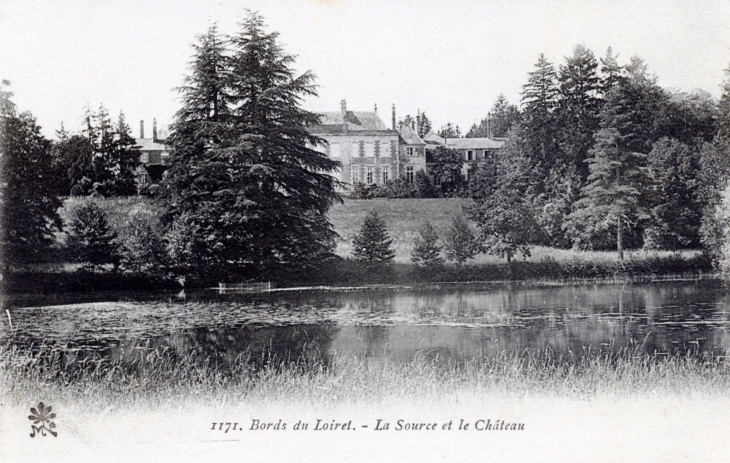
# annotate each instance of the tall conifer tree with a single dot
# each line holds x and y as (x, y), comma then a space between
(242, 169)
(614, 194)
(539, 123)
(579, 105)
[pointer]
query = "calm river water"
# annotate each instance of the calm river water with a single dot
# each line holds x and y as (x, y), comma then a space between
(449, 324)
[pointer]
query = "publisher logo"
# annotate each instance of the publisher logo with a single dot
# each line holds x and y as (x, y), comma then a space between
(42, 417)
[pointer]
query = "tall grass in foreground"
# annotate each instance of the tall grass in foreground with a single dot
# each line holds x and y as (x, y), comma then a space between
(160, 380)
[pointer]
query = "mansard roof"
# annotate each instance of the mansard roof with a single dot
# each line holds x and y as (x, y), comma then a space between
(355, 120)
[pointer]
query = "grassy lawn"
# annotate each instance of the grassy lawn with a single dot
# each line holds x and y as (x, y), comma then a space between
(403, 217)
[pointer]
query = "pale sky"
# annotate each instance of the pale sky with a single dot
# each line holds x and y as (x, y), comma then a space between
(449, 58)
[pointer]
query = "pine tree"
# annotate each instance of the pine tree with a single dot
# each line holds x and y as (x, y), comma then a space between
(91, 240)
(499, 121)
(611, 73)
(426, 250)
(425, 126)
(124, 159)
(241, 168)
(539, 120)
(540, 94)
(579, 103)
(449, 131)
(28, 195)
(372, 244)
(101, 160)
(614, 189)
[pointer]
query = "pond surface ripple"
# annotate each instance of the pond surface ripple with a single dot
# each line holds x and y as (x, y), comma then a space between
(449, 325)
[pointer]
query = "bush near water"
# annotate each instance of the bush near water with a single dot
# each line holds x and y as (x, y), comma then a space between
(403, 218)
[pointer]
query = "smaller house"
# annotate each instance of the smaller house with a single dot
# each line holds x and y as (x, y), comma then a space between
(473, 151)
(154, 157)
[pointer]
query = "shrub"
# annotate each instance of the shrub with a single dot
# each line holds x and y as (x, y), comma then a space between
(91, 240)
(141, 247)
(397, 188)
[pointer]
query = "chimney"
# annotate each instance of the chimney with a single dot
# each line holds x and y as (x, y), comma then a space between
(376, 108)
(393, 116)
(343, 108)
(141, 128)
(154, 130)
(418, 123)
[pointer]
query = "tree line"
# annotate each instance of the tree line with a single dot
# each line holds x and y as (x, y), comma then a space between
(601, 157)
(598, 156)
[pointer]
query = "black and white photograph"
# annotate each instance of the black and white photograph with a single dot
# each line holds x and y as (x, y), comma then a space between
(344, 230)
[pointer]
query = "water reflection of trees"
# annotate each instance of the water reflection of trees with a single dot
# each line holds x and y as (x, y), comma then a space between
(569, 322)
(447, 326)
(220, 348)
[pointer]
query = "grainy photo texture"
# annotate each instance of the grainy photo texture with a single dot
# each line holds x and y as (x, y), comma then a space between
(364, 231)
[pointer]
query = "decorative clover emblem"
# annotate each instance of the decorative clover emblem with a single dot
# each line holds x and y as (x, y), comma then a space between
(42, 416)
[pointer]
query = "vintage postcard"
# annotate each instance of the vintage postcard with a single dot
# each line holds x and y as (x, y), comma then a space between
(338, 230)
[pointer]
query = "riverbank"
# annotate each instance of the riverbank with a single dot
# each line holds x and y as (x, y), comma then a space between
(350, 273)
(160, 379)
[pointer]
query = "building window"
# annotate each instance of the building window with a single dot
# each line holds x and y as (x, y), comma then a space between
(355, 149)
(370, 150)
(386, 173)
(409, 174)
(369, 175)
(486, 154)
(144, 179)
(334, 150)
(410, 151)
(353, 175)
(384, 149)
(470, 155)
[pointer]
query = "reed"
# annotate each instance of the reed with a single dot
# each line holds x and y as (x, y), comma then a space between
(159, 379)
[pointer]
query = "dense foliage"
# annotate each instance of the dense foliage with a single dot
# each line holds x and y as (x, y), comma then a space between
(604, 158)
(460, 241)
(101, 160)
(91, 240)
(244, 174)
(29, 204)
